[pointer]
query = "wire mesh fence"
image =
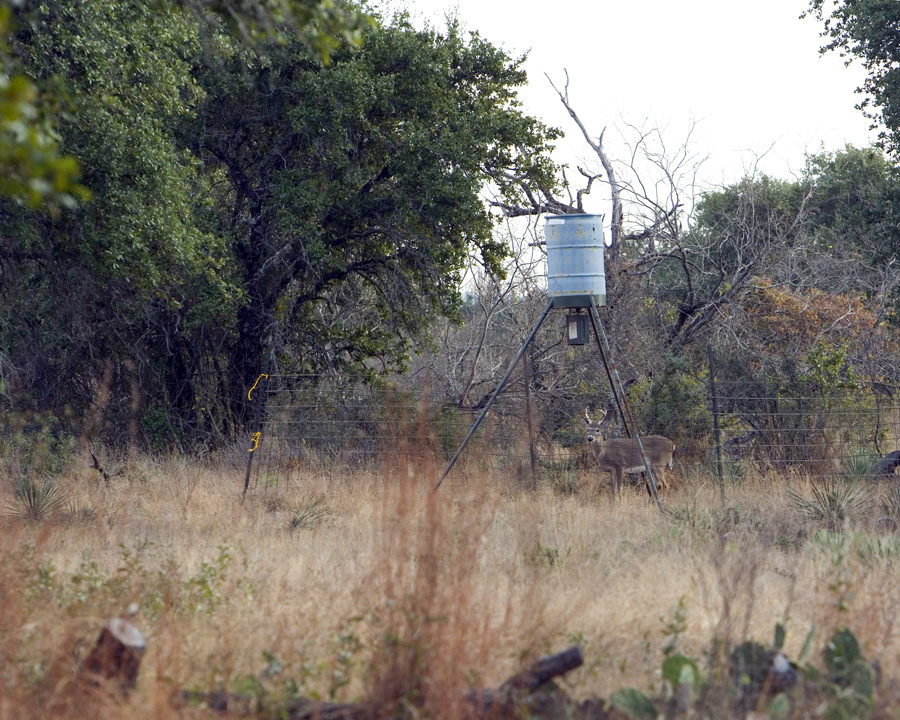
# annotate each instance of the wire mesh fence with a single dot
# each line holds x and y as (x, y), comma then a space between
(309, 424)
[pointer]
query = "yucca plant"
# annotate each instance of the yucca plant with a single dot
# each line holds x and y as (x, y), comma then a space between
(860, 463)
(890, 504)
(309, 512)
(75, 514)
(834, 503)
(35, 501)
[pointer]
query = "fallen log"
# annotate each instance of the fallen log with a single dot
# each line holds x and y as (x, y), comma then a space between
(527, 681)
(544, 670)
(488, 701)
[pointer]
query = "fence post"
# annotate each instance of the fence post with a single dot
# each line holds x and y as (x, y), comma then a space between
(261, 386)
(715, 413)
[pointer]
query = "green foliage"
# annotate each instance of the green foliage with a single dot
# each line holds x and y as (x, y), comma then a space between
(860, 463)
(679, 669)
(90, 284)
(841, 213)
(340, 232)
(760, 676)
(634, 703)
(346, 645)
(563, 476)
(34, 171)
(851, 674)
(853, 195)
(837, 547)
(35, 444)
(828, 369)
(674, 626)
(547, 556)
(745, 226)
(672, 402)
(206, 590)
(866, 30)
(869, 550)
(410, 127)
(321, 24)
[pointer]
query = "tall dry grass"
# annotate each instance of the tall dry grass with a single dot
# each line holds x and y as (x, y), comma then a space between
(404, 597)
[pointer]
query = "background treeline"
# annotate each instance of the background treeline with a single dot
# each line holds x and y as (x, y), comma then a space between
(306, 189)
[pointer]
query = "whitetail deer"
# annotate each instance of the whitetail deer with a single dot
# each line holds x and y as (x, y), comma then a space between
(621, 455)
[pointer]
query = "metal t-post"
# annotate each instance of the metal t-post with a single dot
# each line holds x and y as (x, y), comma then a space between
(262, 387)
(619, 391)
(496, 393)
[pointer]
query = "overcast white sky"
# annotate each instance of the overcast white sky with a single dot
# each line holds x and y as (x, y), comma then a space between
(750, 74)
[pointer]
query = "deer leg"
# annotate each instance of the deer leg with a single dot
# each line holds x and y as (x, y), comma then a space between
(660, 472)
(618, 482)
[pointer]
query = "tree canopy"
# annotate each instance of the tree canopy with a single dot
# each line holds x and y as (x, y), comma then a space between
(246, 198)
(868, 30)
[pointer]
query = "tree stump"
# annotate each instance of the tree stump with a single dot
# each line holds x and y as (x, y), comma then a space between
(117, 655)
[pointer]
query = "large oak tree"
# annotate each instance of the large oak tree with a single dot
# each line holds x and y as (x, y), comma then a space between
(246, 195)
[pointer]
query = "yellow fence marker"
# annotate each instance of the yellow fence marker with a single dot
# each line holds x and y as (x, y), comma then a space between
(256, 383)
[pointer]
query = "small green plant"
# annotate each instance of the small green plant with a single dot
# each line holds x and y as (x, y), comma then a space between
(549, 555)
(634, 704)
(35, 501)
(674, 625)
(268, 481)
(860, 463)
(206, 591)
(838, 549)
(347, 644)
(309, 512)
(75, 514)
(690, 521)
(852, 678)
(562, 476)
(834, 504)
(735, 472)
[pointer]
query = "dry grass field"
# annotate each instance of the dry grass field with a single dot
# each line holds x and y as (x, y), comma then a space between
(388, 592)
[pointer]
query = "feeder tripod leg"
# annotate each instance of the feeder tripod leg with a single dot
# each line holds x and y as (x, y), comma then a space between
(494, 396)
(619, 393)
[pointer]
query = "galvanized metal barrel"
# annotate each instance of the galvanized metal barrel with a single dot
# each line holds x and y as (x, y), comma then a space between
(575, 270)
